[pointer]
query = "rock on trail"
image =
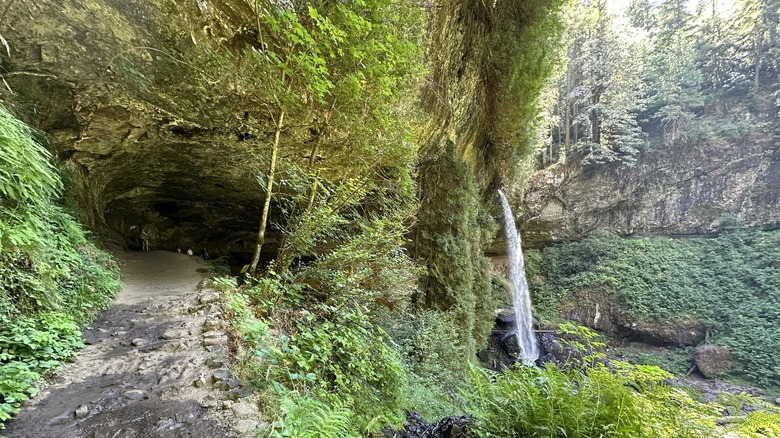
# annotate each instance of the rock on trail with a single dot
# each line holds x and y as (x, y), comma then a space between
(154, 365)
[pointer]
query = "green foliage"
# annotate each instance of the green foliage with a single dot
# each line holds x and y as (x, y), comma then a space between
(51, 277)
(631, 401)
(433, 367)
(599, 94)
(311, 328)
(586, 344)
(676, 360)
(39, 342)
(760, 424)
(333, 355)
(452, 228)
(522, 53)
(727, 283)
(17, 382)
(312, 418)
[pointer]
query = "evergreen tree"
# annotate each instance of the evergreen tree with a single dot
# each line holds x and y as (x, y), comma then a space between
(600, 92)
(672, 77)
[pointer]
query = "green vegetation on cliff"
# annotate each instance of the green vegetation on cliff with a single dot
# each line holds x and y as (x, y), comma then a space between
(511, 49)
(52, 278)
(673, 77)
(728, 283)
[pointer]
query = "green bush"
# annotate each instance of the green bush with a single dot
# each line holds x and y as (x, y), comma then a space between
(51, 277)
(17, 382)
(331, 356)
(729, 283)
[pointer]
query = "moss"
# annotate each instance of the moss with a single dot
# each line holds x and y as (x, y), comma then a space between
(451, 232)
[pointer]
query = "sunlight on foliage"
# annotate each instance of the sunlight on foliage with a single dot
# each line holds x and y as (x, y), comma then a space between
(726, 283)
(51, 277)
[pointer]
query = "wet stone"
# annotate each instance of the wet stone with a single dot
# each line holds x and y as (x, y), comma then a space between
(200, 382)
(187, 417)
(209, 402)
(245, 410)
(135, 394)
(139, 342)
(227, 384)
(208, 298)
(245, 426)
(210, 342)
(238, 393)
(168, 424)
(216, 349)
(220, 374)
(174, 334)
(217, 362)
(212, 324)
(82, 412)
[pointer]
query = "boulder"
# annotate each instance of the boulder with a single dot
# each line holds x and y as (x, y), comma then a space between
(712, 360)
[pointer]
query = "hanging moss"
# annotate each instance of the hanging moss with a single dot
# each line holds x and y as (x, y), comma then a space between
(451, 231)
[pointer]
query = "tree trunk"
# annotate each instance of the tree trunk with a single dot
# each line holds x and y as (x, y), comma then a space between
(285, 259)
(757, 73)
(567, 116)
(595, 124)
(268, 193)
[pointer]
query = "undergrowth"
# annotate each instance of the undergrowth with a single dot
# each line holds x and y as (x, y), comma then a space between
(588, 397)
(52, 278)
(729, 283)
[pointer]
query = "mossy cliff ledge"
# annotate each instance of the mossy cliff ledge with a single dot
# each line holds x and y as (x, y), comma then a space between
(686, 191)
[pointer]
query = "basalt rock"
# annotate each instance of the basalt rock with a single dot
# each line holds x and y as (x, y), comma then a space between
(712, 360)
(417, 427)
(684, 191)
(603, 312)
(96, 77)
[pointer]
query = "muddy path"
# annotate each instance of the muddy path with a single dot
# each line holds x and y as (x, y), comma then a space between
(154, 364)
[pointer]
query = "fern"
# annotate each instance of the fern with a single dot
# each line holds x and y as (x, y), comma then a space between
(313, 418)
(759, 424)
(550, 402)
(51, 277)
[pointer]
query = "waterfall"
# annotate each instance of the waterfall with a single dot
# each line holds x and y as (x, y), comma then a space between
(521, 298)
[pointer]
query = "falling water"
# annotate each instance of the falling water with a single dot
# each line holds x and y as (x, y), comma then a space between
(520, 296)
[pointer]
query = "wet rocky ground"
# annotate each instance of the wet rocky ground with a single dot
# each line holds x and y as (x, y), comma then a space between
(154, 365)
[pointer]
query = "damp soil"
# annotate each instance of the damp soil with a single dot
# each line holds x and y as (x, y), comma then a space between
(151, 364)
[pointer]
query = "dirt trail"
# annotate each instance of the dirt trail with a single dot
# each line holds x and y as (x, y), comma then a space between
(154, 364)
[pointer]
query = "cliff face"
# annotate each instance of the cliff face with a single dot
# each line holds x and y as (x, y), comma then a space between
(686, 191)
(86, 73)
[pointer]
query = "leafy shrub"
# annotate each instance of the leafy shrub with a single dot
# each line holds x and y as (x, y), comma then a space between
(16, 386)
(51, 277)
(333, 355)
(313, 418)
(39, 342)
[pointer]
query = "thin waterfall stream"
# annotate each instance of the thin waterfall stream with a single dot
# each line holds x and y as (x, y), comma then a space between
(521, 298)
